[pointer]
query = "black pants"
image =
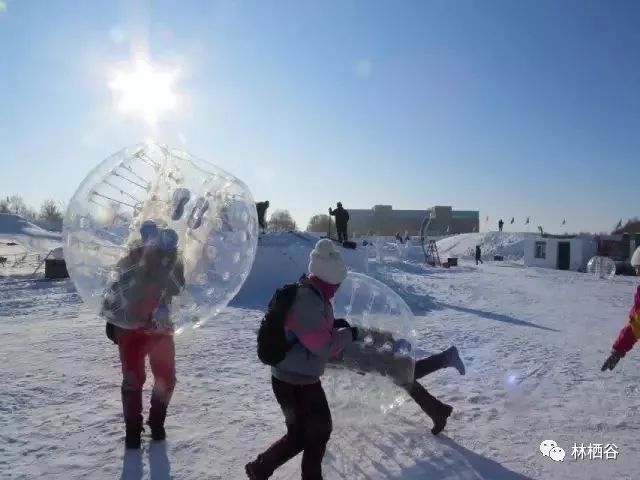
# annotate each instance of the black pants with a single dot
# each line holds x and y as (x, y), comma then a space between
(308, 422)
(342, 233)
(478, 259)
(427, 402)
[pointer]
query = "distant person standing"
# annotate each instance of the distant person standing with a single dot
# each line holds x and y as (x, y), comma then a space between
(500, 225)
(342, 218)
(261, 207)
(478, 255)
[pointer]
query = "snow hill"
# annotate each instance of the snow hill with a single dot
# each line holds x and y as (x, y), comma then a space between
(282, 258)
(33, 238)
(510, 245)
(533, 341)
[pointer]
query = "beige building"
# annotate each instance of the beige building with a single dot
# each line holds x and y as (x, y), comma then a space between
(384, 220)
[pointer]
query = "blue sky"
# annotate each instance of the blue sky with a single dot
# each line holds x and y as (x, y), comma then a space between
(514, 108)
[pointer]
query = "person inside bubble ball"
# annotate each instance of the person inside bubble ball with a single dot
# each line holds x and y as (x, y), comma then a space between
(377, 351)
(630, 334)
(137, 311)
(296, 380)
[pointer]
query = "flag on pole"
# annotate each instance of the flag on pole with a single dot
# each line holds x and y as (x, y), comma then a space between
(527, 222)
(513, 219)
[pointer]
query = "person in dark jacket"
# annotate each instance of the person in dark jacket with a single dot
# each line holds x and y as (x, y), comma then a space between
(500, 225)
(296, 380)
(403, 370)
(478, 255)
(342, 218)
(261, 207)
(136, 307)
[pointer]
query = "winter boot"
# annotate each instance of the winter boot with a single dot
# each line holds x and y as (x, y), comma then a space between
(440, 420)
(253, 473)
(132, 410)
(438, 412)
(132, 437)
(158, 413)
(454, 360)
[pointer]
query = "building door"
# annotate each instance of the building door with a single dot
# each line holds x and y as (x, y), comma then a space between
(564, 255)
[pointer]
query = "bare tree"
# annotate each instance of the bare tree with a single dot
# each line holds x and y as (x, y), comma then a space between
(16, 204)
(282, 220)
(50, 212)
(320, 223)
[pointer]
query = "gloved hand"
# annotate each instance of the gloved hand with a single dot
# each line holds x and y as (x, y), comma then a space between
(401, 345)
(611, 362)
(354, 333)
(380, 337)
(341, 323)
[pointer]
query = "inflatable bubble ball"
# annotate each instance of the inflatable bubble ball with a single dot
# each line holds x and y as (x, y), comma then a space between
(375, 370)
(156, 238)
(601, 267)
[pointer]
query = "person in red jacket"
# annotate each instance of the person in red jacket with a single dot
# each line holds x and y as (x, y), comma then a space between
(630, 334)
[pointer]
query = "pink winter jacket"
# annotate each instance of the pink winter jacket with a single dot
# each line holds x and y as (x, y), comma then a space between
(309, 324)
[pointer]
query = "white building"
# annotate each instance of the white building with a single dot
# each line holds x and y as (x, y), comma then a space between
(563, 253)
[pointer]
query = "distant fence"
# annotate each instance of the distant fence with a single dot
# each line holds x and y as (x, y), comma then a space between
(17, 259)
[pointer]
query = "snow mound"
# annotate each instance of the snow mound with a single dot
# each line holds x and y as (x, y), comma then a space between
(509, 245)
(282, 257)
(33, 238)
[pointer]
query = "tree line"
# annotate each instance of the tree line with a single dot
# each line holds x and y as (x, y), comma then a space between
(50, 211)
(282, 220)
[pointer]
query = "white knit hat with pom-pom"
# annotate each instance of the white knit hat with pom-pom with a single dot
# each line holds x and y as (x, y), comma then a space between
(325, 262)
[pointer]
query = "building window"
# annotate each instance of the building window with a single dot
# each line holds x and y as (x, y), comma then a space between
(541, 250)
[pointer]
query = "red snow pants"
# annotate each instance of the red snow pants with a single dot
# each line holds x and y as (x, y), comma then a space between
(135, 346)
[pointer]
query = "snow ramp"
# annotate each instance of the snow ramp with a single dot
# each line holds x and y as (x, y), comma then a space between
(14, 228)
(282, 257)
(509, 245)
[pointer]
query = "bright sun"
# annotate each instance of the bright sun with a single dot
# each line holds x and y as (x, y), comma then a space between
(145, 91)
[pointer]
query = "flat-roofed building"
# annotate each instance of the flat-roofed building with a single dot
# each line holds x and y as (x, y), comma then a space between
(384, 220)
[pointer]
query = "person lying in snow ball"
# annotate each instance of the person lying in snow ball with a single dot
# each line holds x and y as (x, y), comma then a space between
(149, 277)
(384, 355)
(295, 380)
(630, 334)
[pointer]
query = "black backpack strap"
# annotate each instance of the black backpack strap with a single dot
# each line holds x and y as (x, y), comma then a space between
(304, 281)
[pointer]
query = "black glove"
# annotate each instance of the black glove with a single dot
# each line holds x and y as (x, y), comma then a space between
(354, 333)
(341, 323)
(111, 332)
(611, 362)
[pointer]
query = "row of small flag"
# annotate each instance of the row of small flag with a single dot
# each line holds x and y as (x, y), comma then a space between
(513, 220)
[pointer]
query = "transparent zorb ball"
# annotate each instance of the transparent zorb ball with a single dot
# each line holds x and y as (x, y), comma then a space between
(156, 238)
(375, 370)
(601, 267)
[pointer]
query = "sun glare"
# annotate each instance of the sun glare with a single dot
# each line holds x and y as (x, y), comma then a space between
(146, 91)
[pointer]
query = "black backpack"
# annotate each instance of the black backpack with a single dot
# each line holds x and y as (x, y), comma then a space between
(272, 343)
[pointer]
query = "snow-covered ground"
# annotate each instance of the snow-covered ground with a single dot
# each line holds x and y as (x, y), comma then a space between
(533, 341)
